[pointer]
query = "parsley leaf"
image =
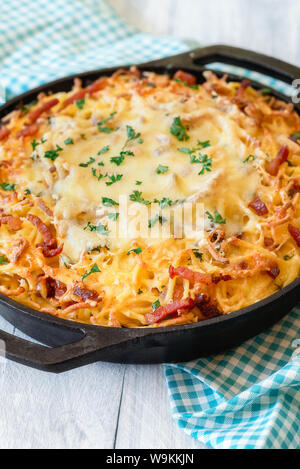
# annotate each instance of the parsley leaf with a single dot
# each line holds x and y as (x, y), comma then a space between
(217, 218)
(136, 251)
(179, 130)
(138, 183)
(108, 202)
(101, 229)
(103, 150)
(165, 202)
(156, 305)
(104, 128)
(204, 160)
(27, 191)
(53, 154)
(136, 196)
(101, 176)
(155, 219)
(113, 216)
(162, 169)
(113, 179)
(132, 135)
(69, 141)
(265, 91)
(296, 135)
(7, 187)
(94, 269)
(80, 103)
(118, 160)
(3, 260)
(200, 146)
(250, 158)
(85, 165)
(34, 144)
(198, 254)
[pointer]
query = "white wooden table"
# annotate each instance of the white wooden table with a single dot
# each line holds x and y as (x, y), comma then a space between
(115, 406)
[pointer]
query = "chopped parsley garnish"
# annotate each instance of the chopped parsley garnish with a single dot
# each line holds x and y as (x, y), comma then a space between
(103, 150)
(165, 202)
(69, 141)
(85, 165)
(204, 160)
(198, 254)
(118, 160)
(250, 158)
(101, 229)
(138, 183)
(139, 291)
(113, 216)
(265, 91)
(100, 176)
(156, 305)
(7, 187)
(200, 146)
(113, 179)
(95, 269)
(162, 169)
(288, 258)
(179, 130)
(27, 191)
(185, 83)
(154, 220)
(104, 128)
(34, 144)
(109, 202)
(83, 136)
(136, 251)
(101, 163)
(80, 103)
(217, 218)
(3, 260)
(132, 135)
(25, 109)
(296, 135)
(53, 154)
(151, 85)
(136, 196)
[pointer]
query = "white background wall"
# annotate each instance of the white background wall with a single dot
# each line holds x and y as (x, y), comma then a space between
(269, 26)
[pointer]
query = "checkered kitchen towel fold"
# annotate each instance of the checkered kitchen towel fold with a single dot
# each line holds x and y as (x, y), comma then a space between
(246, 398)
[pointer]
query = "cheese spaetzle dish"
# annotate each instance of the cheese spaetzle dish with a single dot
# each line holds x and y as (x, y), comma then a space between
(157, 145)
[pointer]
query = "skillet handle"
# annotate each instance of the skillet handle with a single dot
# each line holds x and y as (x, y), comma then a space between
(248, 59)
(233, 56)
(84, 351)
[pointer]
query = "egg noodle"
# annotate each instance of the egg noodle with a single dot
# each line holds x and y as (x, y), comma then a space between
(70, 161)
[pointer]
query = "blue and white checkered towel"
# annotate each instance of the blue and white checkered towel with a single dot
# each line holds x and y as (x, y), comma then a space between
(248, 397)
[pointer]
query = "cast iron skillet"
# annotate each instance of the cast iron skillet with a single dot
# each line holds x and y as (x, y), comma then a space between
(74, 344)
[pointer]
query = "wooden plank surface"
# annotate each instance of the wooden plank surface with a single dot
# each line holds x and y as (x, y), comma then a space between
(104, 405)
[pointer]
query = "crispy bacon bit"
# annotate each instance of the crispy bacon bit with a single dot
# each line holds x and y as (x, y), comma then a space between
(47, 252)
(4, 132)
(295, 233)
(55, 288)
(14, 223)
(98, 85)
(49, 241)
(274, 165)
(268, 242)
(208, 309)
(274, 270)
(163, 311)
(187, 78)
(28, 131)
(221, 278)
(85, 294)
(243, 86)
(195, 277)
(34, 115)
(259, 206)
(18, 249)
(44, 207)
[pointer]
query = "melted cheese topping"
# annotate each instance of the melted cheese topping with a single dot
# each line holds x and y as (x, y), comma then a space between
(119, 145)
